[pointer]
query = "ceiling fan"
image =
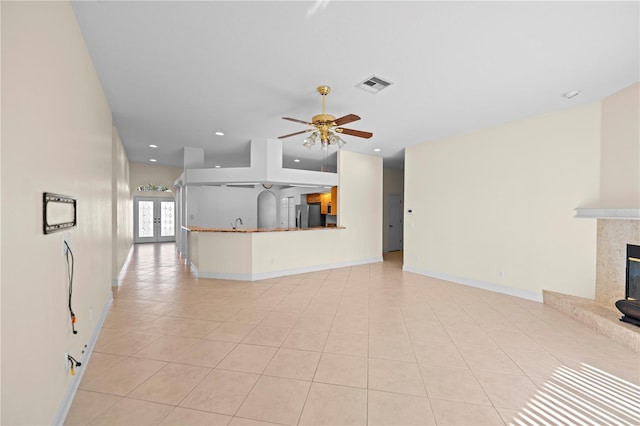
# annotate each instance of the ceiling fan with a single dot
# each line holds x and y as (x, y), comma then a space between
(325, 126)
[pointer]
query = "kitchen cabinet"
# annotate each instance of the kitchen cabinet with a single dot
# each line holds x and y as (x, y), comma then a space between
(334, 201)
(313, 198)
(325, 199)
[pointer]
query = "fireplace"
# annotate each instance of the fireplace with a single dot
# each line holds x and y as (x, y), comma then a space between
(632, 291)
(630, 305)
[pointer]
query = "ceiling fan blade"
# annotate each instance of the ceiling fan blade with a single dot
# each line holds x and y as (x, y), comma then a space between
(293, 134)
(297, 121)
(349, 118)
(358, 133)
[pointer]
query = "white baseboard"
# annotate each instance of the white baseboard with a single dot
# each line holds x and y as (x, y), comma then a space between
(281, 273)
(116, 281)
(72, 387)
(496, 288)
(194, 270)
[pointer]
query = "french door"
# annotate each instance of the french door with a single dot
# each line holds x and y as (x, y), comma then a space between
(154, 219)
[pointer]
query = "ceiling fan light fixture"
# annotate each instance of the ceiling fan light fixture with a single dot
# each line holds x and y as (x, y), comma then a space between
(310, 141)
(328, 128)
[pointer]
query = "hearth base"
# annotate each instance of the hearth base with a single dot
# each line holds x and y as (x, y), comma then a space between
(630, 310)
(605, 319)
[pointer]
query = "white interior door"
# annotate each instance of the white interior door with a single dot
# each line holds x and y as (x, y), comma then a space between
(284, 212)
(154, 220)
(395, 222)
(292, 213)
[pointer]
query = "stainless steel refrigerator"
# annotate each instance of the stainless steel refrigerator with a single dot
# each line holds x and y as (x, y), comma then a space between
(308, 216)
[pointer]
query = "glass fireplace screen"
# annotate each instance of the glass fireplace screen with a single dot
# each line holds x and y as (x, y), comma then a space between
(633, 272)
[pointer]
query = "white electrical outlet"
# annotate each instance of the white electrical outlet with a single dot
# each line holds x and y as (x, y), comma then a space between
(66, 361)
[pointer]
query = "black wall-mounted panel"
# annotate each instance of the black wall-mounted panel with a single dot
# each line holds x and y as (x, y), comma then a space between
(58, 212)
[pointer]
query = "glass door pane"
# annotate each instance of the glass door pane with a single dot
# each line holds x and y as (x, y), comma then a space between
(167, 219)
(145, 219)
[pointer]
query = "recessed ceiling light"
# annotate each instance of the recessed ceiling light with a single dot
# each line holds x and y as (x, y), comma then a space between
(217, 167)
(153, 160)
(377, 150)
(571, 94)
(153, 146)
(219, 134)
(296, 161)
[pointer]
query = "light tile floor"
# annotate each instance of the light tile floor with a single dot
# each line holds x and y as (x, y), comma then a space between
(362, 345)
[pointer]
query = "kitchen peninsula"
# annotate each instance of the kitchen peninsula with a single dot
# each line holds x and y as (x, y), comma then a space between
(259, 253)
(214, 250)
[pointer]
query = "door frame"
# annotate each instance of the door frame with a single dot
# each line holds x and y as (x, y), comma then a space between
(156, 213)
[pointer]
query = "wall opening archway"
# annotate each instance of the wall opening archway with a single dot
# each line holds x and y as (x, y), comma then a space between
(267, 210)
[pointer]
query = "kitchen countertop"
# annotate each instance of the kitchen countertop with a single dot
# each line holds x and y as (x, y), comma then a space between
(251, 230)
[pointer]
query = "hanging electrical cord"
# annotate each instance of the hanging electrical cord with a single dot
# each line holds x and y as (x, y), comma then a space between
(74, 363)
(70, 265)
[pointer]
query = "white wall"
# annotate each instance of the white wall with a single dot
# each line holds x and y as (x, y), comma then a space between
(219, 206)
(122, 207)
(501, 200)
(56, 137)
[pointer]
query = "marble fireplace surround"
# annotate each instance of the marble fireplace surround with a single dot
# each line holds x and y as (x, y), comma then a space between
(616, 228)
(611, 257)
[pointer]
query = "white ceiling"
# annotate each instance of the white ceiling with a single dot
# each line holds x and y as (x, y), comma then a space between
(175, 72)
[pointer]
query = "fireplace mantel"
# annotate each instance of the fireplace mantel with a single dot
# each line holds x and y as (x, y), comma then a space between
(603, 213)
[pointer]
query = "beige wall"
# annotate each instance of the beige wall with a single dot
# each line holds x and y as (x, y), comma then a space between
(56, 137)
(122, 208)
(496, 206)
(360, 203)
(142, 174)
(620, 151)
(393, 183)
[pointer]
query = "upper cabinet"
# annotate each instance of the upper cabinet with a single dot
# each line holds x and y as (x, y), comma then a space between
(325, 199)
(313, 198)
(334, 201)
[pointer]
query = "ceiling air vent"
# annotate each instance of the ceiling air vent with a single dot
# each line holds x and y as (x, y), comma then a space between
(373, 84)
